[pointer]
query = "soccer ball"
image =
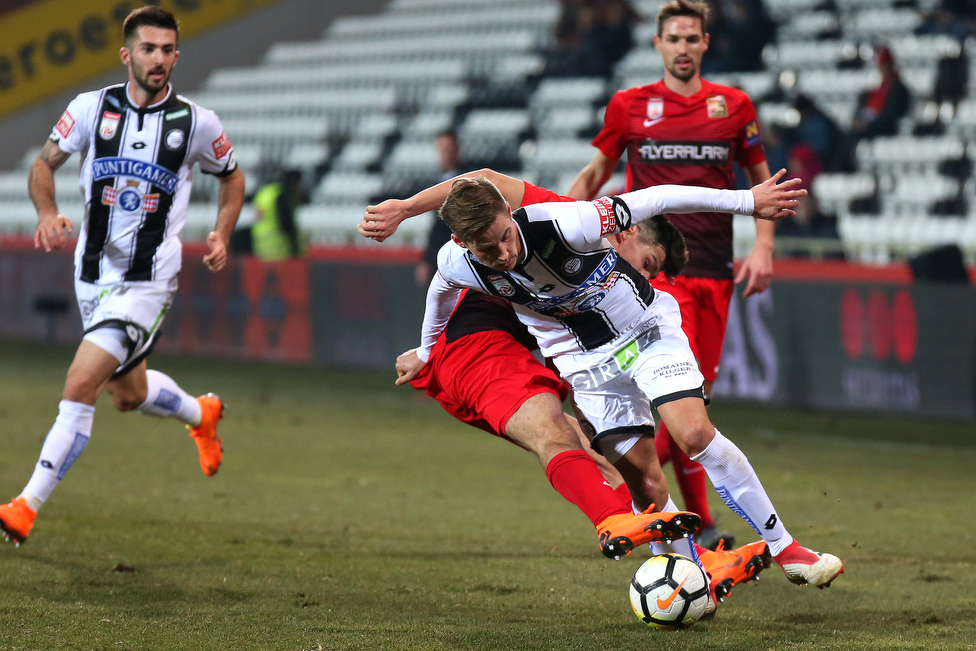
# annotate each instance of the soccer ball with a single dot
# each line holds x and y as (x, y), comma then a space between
(669, 591)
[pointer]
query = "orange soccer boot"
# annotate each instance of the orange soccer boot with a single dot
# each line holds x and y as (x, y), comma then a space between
(620, 533)
(803, 566)
(205, 434)
(16, 520)
(728, 568)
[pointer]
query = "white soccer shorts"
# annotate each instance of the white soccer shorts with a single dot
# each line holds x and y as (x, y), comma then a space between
(654, 367)
(135, 308)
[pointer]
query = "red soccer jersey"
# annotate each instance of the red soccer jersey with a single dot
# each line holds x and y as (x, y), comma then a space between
(672, 139)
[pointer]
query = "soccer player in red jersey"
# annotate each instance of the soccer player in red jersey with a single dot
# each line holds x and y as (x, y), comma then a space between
(685, 130)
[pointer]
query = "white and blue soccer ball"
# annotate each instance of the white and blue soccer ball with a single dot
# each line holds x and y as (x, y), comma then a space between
(669, 591)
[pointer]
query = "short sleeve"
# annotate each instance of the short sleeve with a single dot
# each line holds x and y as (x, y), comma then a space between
(73, 131)
(612, 139)
(211, 146)
(750, 149)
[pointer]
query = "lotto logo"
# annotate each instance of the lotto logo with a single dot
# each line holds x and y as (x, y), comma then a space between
(65, 125)
(608, 218)
(221, 146)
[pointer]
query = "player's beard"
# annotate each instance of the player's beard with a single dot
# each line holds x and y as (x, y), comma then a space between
(142, 78)
(683, 75)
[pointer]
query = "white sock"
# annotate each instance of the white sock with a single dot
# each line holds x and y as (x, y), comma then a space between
(683, 546)
(63, 445)
(739, 487)
(166, 399)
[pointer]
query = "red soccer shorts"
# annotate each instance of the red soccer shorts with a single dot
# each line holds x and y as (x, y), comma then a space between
(483, 378)
(704, 304)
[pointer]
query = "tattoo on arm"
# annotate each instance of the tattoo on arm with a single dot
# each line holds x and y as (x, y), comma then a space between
(52, 155)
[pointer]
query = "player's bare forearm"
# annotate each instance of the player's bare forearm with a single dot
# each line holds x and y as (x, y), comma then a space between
(764, 229)
(382, 220)
(757, 269)
(592, 177)
(230, 200)
(52, 226)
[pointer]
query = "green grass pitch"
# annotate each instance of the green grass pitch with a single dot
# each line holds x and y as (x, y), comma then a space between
(352, 514)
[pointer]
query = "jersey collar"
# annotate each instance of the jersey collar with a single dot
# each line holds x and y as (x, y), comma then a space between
(152, 108)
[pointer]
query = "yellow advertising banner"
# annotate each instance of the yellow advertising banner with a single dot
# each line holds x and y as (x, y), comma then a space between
(50, 45)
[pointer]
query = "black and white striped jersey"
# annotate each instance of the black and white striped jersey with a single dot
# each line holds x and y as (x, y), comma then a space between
(571, 290)
(136, 175)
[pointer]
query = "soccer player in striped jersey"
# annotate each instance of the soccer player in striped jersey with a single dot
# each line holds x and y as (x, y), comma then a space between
(139, 141)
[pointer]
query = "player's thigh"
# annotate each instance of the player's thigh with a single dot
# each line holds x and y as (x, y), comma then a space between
(486, 378)
(91, 368)
(124, 318)
(540, 425)
(711, 299)
(681, 291)
(688, 423)
(616, 415)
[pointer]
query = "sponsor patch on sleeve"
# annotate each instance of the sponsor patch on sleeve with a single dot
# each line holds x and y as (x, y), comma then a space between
(608, 217)
(221, 146)
(65, 125)
(753, 137)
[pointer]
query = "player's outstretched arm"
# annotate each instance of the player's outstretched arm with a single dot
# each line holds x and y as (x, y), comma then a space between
(775, 200)
(382, 220)
(52, 227)
(230, 200)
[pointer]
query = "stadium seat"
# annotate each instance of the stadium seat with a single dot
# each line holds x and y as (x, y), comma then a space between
(557, 155)
(414, 158)
(356, 156)
(834, 192)
(803, 55)
(306, 156)
(424, 126)
(809, 26)
(881, 25)
(564, 122)
(342, 187)
(553, 93)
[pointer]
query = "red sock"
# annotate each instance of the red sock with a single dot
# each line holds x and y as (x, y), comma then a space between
(575, 476)
(691, 479)
(662, 441)
(625, 497)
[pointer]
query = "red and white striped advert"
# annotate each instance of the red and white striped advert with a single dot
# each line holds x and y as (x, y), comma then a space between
(608, 218)
(65, 125)
(221, 146)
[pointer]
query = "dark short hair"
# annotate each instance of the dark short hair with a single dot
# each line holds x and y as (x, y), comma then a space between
(692, 8)
(471, 207)
(659, 230)
(149, 16)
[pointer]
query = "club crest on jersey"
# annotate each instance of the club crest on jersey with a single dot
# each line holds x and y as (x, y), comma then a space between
(65, 125)
(174, 139)
(572, 266)
(655, 108)
(109, 125)
(716, 107)
(501, 285)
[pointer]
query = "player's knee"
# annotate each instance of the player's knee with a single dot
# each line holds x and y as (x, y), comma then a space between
(80, 388)
(124, 399)
(696, 436)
